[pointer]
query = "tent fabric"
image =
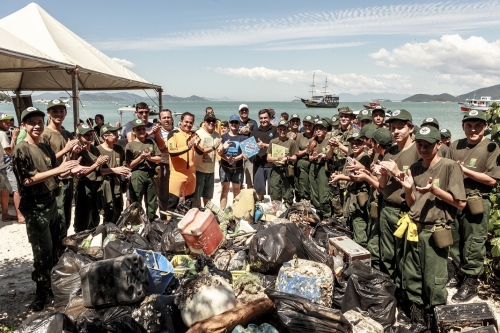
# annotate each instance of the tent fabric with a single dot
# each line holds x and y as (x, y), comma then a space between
(37, 51)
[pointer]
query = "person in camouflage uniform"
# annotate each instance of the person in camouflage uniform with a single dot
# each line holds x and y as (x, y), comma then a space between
(335, 163)
(37, 170)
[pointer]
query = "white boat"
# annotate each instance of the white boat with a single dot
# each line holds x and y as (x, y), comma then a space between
(482, 104)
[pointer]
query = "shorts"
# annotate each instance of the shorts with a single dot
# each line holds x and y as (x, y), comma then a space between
(204, 185)
(248, 169)
(11, 177)
(4, 181)
(262, 175)
(234, 176)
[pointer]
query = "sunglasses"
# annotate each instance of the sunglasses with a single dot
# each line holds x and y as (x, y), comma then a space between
(234, 122)
(244, 110)
(211, 121)
(142, 112)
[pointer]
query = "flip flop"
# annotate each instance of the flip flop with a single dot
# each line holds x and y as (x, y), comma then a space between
(9, 218)
(22, 222)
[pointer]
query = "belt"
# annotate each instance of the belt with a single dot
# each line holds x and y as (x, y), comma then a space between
(278, 168)
(230, 168)
(393, 205)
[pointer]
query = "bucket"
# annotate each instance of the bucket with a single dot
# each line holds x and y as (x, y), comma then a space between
(160, 271)
(200, 231)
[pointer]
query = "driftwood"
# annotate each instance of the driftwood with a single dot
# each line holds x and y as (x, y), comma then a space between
(240, 315)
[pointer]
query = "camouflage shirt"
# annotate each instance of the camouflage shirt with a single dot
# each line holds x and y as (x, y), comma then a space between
(29, 160)
(339, 157)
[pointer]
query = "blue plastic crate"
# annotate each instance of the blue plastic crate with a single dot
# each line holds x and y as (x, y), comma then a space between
(160, 271)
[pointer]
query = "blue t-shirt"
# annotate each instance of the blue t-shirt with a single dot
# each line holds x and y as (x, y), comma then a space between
(251, 124)
(234, 148)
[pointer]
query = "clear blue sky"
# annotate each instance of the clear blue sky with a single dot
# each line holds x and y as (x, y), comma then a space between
(268, 50)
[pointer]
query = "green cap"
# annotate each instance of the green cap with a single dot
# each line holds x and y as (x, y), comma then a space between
(82, 129)
(474, 115)
(367, 128)
(431, 121)
(335, 120)
(400, 115)
(320, 123)
(137, 123)
(283, 123)
(31, 111)
(429, 134)
(309, 119)
(55, 102)
(382, 136)
(378, 108)
(415, 129)
(108, 128)
(345, 110)
(445, 133)
(354, 136)
(364, 115)
(5, 116)
(327, 121)
(295, 116)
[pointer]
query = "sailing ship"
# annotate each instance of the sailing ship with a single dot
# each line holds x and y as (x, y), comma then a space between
(318, 101)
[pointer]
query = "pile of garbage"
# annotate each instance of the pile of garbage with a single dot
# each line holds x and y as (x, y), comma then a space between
(255, 267)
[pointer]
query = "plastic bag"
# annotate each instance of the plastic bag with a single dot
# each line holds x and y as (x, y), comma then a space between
(111, 320)
(372, 291)
(154, 232)
(117, 248)
(48, 323)
(137, 241)
(85, 241)
(133, 218)
(172, 240)
(301, 315)
(267, 281)
(65, 277)
(154, 314)
(271, 247)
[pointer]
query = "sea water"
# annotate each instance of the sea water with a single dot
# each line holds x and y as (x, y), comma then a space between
(448, 114)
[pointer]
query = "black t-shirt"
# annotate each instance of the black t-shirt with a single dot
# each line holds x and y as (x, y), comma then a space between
(233, 150)
(265, 135)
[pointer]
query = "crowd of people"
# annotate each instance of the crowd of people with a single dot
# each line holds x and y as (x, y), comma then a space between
(412, 197)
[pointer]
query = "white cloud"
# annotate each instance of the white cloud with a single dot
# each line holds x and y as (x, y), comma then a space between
(451, 59)
(124, 62)
(409, 19)
(317, 46)
(352, 83)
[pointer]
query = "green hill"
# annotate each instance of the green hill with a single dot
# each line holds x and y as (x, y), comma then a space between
(431, 98)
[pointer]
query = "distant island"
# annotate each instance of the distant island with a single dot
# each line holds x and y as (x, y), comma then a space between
(119, 97)
(493, 91)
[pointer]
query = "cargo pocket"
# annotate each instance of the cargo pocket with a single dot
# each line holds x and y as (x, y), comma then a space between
(439, 293)
(477, 251)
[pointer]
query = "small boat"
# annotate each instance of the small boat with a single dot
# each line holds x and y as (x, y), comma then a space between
(482, 104)
(318, 101)
(129, 108)
(373, 105)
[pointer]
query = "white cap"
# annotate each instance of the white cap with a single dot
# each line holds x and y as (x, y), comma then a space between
(242, 106)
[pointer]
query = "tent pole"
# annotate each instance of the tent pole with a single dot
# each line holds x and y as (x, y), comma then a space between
(160, 99)
(74, 88)
(18, 106)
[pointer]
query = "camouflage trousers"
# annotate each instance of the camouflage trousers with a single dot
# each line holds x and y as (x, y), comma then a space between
(44, 227)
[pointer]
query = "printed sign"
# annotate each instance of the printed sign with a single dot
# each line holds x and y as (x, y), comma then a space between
(249, 147)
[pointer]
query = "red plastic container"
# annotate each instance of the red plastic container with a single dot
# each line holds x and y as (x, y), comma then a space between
(201, 231)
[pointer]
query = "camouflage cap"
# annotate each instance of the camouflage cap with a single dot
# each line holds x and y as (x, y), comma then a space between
(402, 115)
(55, 102)
(429, 134)
(345, 110)
(30, 112)
(137, 123)
(431, 121)
(82, 129)
(445, 133)
(364, 115)
(474, 115)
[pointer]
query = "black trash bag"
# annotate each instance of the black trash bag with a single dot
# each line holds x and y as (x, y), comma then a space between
(47, 323)
(267, 281)
(172, 240)
(339, 287)
(80, 243)
(205, 261)
(397, 329)
(270, 248)
(154, 232)
(326, 231)
(133, 217)
(75, 309)
(117, 248)
(137, 241)
(372, 291)
(111, 320)
(154, 315)
(300, 315)
(65, 277)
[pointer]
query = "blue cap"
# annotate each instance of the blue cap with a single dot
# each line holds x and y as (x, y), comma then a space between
(234, 117)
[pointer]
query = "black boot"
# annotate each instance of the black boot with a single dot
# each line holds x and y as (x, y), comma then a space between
(41, 295)
(454, 279)
(418, 320)
(467, 290)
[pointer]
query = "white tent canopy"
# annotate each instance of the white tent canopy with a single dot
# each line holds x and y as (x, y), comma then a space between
(39, 53)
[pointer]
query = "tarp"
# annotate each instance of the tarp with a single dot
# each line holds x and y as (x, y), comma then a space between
(37, 52)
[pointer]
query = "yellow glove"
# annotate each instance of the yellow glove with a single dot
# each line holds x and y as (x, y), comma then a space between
(405, 223)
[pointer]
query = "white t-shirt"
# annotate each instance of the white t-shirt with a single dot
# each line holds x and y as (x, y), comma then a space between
(5, 142)
(205, 162)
